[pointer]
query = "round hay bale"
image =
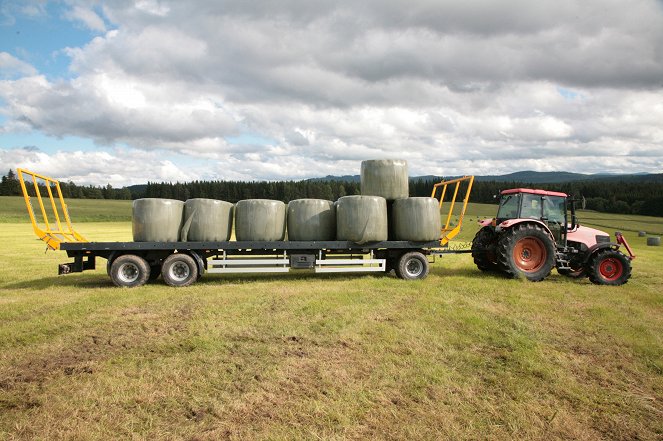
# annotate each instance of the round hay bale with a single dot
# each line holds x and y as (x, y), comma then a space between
(311, 219)
(207, 220)
(260, 219)
(416, 219)
(642, 233)
(156, 220)
(361, 219)
(654, 241)
(387, 178)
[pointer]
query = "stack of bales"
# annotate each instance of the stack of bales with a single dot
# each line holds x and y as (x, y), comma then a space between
(414, 219)
(383, 211)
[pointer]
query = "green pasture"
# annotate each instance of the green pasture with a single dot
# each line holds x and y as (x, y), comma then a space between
(459, 355)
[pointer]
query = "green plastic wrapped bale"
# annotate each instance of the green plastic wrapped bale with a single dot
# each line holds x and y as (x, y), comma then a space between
(361, 219)
(207, 220)
(416, 219)
(157, 220)
(387, 178)
(260, 219)
(311, 219)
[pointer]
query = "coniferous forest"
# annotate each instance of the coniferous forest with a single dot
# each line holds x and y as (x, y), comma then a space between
(610, 196)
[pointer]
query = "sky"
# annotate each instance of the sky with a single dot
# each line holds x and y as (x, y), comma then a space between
(124, 92)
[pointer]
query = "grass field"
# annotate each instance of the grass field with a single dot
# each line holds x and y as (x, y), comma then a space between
(460, 355)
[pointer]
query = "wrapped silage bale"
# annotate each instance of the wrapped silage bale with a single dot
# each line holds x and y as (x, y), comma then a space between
(207, 220)
(311, 219)
(361, 219)
(260, 219)
(387, 178)
(416, 219)
(157, 220)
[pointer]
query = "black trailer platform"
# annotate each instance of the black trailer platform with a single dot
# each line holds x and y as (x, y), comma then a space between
(182, 263)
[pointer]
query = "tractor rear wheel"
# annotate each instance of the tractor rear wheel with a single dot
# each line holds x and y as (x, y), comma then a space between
(526, 250)
(610, 267)
(483, 249)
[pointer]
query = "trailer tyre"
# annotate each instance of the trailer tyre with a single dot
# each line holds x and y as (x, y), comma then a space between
(412, 266)
(609, 267)
(129, 271)
(179, 270)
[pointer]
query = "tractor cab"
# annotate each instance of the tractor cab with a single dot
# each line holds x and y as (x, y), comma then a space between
(549, 207)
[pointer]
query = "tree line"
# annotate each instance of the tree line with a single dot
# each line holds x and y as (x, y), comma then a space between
(643, 197)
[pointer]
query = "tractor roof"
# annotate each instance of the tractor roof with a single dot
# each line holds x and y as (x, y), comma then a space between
(531, 191)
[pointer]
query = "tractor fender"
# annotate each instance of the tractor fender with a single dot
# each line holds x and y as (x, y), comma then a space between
(595, 248)
(510, 223)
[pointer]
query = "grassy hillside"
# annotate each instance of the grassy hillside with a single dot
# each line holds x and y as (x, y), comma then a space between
(460, 355)
(13, 209)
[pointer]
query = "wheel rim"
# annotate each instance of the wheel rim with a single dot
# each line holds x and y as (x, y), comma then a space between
(128, 273)
(529, 254)
(414, 267)
(179, 271)
(611, 269)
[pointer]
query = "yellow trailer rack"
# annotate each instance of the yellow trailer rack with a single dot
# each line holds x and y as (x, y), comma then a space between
(52, 236)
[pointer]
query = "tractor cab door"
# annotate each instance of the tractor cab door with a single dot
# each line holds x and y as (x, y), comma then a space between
(548, 209)
(554, 215)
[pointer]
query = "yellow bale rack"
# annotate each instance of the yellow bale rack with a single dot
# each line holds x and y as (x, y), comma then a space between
(450, 231)
(52, 236)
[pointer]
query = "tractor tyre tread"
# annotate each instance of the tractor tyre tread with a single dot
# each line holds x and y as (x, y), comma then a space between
(508, 240)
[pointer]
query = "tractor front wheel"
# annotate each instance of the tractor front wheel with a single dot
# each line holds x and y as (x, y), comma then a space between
(610, 267)
(527, 251)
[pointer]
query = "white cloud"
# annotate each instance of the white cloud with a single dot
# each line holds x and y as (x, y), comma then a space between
(11, 66)
(87, 16)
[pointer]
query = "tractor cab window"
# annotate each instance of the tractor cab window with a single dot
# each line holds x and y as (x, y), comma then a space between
(509, 205)
(554, 209)
(531, 208)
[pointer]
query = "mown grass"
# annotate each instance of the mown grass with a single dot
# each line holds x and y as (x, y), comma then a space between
(460, 355)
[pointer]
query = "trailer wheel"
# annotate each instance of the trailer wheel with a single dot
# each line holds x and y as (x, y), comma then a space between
(412, 266)
(129, 271)
(179, 270)
(610, 267)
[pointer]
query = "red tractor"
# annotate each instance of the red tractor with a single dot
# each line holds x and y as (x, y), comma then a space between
(536, 231)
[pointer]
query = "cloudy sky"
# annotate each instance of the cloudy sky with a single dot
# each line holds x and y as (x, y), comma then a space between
(123, 92)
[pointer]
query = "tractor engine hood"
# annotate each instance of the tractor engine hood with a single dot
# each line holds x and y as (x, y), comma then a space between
(588, 236)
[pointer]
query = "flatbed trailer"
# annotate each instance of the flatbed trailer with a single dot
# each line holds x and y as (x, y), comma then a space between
(182, 263)
(132, 264)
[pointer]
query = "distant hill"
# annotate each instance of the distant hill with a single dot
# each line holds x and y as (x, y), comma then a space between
(532, 177)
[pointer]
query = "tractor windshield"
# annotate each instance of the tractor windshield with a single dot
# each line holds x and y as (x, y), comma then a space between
(509, 205)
